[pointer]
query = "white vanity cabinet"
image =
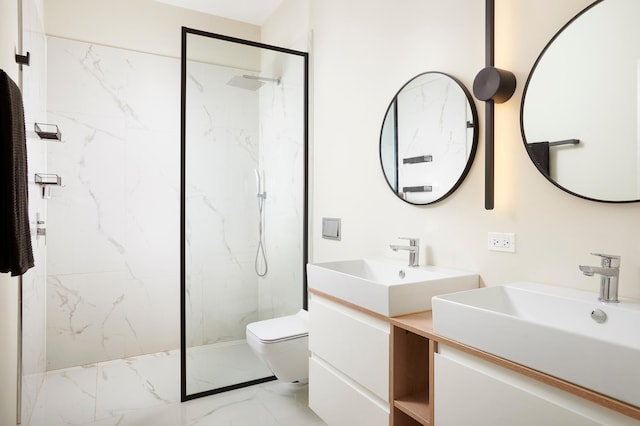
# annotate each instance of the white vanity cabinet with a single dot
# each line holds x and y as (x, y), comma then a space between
(469, 390)
(348, 365)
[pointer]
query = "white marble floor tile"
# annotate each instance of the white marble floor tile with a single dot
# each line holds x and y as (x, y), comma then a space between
(144, 391)
(137, 383)
(223, 364)
(67, 397)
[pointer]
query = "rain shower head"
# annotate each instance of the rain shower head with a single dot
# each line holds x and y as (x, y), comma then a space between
(263, 79)
(251, 82)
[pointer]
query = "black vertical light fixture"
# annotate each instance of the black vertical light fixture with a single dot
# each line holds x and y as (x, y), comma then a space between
(492, 85)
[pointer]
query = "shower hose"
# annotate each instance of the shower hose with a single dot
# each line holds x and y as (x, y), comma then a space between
(260, 253)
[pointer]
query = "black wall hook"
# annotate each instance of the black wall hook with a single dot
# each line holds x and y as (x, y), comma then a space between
(23, 59)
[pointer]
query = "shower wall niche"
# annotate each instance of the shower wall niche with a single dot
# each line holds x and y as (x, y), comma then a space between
(244, 202)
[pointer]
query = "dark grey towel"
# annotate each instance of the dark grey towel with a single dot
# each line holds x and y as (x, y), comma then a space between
(16, 255)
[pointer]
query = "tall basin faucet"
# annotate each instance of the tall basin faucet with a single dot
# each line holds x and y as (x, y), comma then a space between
(609, 270)
(413, 248)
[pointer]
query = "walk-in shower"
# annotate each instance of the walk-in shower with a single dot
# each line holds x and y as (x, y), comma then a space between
(244, 125)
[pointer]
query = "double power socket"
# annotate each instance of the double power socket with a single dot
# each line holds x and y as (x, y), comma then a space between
(501, 241)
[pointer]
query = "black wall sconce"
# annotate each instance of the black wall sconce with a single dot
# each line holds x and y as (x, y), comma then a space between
(491, 85)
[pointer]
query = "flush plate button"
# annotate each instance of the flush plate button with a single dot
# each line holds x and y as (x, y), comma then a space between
(331, 228)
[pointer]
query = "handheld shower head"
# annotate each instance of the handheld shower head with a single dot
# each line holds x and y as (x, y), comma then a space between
(260, 184)
(258, 181)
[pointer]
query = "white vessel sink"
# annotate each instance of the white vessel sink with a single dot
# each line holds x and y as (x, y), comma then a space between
(387, 287)
(550, 329)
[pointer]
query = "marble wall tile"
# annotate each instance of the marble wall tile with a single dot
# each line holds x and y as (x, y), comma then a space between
(113, 261)
(113, 267)
(34, 280)
(282, 159)
(233, 131)
(221, 155)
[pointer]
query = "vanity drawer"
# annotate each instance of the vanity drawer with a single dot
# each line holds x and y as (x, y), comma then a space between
(501, 397)
(354, 343)
(334, 398)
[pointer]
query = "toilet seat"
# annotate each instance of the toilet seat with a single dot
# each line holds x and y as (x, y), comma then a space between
(281, 329)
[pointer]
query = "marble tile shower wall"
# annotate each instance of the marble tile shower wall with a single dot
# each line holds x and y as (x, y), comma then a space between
(34, 280)
(222, 228)
(234, 132)
(113, 242)
(282, 157)
(113, 268)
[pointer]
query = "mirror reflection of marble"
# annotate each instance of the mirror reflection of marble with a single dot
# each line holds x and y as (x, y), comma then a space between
(583, 92)
(428, 138)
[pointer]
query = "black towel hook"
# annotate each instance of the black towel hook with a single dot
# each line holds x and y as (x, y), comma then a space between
(23, 59)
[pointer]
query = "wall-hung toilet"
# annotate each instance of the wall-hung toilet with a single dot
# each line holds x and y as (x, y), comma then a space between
(283, 343)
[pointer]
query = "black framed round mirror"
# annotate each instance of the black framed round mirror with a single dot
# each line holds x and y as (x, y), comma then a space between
(579, 115)
(429, 138)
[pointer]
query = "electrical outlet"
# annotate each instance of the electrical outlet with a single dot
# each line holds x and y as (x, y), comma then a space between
(501, 241)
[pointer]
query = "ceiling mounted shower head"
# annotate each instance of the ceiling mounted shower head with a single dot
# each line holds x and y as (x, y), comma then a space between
(251, 82)
(245, 83)
(263, 79)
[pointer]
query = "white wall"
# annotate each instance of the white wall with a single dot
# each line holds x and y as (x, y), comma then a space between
(142, 25)
(289, 26)
(362, 53)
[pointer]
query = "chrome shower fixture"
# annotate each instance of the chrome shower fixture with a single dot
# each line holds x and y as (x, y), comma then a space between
(259, 184)
(263, 79)
(260, 265)
(251, 82)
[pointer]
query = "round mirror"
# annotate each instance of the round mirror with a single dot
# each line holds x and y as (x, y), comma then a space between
(580, 107)
(428, 138)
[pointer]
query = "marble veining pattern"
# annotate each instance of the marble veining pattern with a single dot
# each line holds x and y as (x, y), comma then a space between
(144, 391)
(34, 280)
(282, 159)
(434, 119)
(113, 243)
(231, 132)
(113, 267)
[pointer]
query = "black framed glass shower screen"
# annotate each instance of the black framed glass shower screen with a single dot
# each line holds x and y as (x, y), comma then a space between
(243, 195)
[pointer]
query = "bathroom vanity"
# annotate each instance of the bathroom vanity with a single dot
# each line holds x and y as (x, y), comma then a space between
(349, 363)
(409, 346)
(430, 377)
(350, 303)
(458, 384)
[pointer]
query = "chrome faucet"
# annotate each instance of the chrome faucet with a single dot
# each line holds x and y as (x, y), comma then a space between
(609, 272)
(413, 248)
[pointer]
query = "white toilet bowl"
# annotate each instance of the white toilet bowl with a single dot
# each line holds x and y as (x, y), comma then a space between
(283, 343)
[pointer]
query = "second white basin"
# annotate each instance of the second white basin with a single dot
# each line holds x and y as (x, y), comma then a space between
(550, 329)
(387, 287)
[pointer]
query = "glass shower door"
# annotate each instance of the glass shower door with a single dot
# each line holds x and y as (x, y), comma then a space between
(243, 203)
